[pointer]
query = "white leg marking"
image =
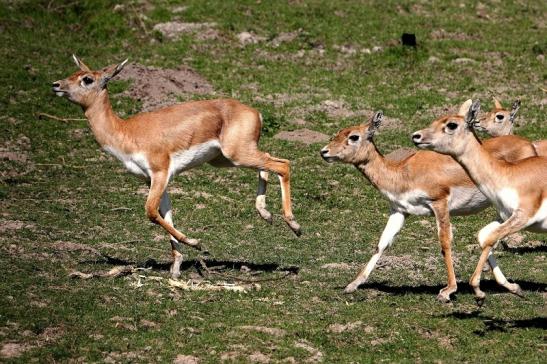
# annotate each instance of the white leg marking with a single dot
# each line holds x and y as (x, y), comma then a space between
(261, 196)
(498, 274)
(393, 226)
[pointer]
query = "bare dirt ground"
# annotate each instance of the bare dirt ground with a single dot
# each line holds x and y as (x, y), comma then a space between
(305, 136)
(156, 87)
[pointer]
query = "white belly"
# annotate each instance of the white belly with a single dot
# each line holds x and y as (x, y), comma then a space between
(466, 201)
(193, 157)
(414, 202)
(135, 163)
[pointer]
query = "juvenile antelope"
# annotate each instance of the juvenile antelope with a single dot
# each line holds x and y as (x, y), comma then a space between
(500, 121)
(517, 190)
(425, 183)
(160, 144)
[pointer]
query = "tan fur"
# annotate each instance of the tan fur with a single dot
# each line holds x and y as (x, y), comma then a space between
(157, 137)
(517, 188)
(439, 176)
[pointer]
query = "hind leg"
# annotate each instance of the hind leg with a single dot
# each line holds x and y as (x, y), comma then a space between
(243, 156)
(261, 196)
(176, 248)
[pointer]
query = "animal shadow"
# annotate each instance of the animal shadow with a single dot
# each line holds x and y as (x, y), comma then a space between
(488, 285)
(212, 264)
(492, 324)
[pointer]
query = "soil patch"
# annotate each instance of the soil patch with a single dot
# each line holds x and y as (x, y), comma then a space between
(6, 225)
(305, 136)
(343, 266)
(390, 262)
(271, 331)
(14, 158)
(174, 30)
(186, 359)
(156, 87)
(316, 355)
(249, 38)
(340, 328)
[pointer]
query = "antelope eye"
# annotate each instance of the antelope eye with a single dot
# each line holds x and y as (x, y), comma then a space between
(354, 138)
(500, 116)
(87, 80)
(452, 126)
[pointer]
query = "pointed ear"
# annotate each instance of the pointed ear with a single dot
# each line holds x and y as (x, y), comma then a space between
(465, 107)
(514, 109)
(497, 103)
(375, 122)
(472, 114)
(111, 71)
(81, 65)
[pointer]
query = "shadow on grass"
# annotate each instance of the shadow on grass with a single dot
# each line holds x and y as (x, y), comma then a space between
(213, 264)
(526, 249)
(488, 285)
(496, 324)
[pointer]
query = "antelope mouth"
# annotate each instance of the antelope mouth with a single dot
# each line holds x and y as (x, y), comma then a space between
(58, 91)
(423, 145)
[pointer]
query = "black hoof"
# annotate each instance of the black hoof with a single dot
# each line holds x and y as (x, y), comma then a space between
(480, 301)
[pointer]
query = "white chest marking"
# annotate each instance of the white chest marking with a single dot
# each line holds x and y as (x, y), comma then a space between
(193, 156)
(506, 201)
(136, 163)
(414, 202)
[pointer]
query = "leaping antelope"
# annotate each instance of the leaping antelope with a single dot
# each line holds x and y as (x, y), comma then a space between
(160, 144)
(517, 190)
(500, 121)
(424, 183)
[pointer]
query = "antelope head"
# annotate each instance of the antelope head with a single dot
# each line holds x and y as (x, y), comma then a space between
(355, 144)
(84, 86)
(449, 134)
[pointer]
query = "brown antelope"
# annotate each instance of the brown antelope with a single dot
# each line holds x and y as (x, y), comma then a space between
(424, 183)
(500, 121)
(517, 190)
(160, 144)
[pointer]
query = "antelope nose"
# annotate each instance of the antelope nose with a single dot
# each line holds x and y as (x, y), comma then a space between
(56, 85)
(416, 137)
(323, 152)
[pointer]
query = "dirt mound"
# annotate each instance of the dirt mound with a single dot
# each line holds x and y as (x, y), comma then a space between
(156, 87)
(305, 136)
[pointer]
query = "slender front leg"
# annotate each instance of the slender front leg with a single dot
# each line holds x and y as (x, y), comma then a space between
(394, 224)
(444, 228)
(158, 184)
(176, 248)
(488, 236)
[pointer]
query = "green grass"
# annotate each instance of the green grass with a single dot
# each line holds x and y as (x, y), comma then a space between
(68, 191)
